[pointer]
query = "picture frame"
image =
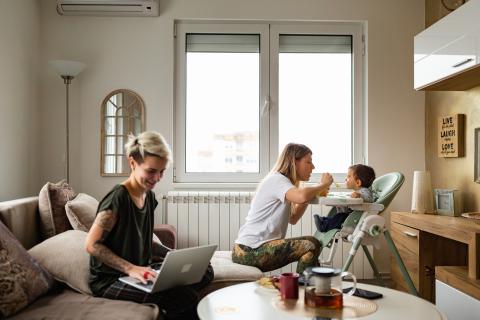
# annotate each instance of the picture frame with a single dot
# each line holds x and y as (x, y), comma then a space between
(476, 175)
(447, 202)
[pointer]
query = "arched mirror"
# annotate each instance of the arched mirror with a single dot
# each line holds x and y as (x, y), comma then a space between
(123, 112)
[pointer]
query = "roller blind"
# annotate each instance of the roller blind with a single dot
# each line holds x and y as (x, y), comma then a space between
(315, 44)
(223, 42)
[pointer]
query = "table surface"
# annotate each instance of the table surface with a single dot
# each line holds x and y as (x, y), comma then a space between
(248, 302)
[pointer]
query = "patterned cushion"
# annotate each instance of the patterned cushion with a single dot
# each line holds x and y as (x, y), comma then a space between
(22, 279)
(51, 204)
(81, 211)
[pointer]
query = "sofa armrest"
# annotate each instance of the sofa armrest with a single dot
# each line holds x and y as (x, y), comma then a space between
(167, 235)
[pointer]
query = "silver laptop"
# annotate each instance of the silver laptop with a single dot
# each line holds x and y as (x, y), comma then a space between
(179, 268)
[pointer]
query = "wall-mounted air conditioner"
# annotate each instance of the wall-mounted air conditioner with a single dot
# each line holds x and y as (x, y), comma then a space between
(139, 8)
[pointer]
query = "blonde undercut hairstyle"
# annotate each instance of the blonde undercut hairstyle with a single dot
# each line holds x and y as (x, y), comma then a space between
(148, 143)
(286, 162)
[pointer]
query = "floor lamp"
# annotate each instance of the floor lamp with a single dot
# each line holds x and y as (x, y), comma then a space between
(67, 70)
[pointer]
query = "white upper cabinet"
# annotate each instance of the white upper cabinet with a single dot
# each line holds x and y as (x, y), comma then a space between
(447, 54)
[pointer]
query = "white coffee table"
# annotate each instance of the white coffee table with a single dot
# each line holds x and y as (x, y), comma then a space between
(246, 302)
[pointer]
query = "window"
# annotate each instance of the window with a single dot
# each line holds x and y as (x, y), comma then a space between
(244, 90)
(123, 113)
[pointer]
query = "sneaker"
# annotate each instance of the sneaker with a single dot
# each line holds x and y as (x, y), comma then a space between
(320, 222)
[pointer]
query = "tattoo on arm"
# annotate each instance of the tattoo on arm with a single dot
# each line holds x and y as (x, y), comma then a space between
(106, 220)
(105, 255)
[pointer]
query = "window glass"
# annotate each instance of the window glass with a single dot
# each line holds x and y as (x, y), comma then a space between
(222, 103)
(315, 97)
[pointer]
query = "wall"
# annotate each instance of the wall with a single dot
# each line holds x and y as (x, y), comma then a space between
(19, 154)
(454, 172)
(137, 53)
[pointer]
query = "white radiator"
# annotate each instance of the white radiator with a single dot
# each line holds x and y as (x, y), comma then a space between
(215, 217)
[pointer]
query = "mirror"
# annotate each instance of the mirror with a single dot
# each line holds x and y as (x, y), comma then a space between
(123, 112)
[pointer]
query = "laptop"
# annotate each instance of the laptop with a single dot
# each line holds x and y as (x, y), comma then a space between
(179, 268)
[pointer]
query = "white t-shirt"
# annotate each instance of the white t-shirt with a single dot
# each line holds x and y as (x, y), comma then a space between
(269, 212)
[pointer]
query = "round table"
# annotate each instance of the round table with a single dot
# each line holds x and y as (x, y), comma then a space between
(247, 301)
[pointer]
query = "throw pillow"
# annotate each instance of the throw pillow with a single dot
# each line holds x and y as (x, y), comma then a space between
(22, 279)
(81, 211)
(51, 204)
(66, 259)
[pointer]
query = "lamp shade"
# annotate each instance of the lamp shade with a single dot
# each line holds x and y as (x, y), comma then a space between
(67, 68)
(422, 195)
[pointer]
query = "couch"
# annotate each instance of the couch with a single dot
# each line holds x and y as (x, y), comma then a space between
(21, 217)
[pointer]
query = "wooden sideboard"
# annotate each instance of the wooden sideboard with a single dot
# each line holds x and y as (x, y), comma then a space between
(434, 246)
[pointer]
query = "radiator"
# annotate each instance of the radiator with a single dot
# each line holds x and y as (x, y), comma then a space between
(215, 218)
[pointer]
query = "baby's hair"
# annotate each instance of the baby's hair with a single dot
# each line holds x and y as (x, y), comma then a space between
(148, 143)
(364, 173)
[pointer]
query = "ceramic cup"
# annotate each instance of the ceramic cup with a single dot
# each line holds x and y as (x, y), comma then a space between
(289, 285)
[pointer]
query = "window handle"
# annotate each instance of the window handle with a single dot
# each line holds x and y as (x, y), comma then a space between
(266, 106)
(461, 63)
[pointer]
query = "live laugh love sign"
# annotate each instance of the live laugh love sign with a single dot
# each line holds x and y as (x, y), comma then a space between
(451, 136)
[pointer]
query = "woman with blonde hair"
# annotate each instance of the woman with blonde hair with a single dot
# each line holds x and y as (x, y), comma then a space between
(121, 240)
(280, 200)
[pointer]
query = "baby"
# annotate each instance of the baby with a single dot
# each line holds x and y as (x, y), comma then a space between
(359, 178)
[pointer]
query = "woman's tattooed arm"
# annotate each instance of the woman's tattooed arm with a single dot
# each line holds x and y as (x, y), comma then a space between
(103, 225)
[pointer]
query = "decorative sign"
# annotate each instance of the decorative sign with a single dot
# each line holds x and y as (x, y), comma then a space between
(451, 142)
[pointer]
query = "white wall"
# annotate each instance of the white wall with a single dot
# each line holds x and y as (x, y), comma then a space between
(19, 49)
(137, 53)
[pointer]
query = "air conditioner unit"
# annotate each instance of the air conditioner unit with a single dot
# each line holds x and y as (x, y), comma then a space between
(139, 8)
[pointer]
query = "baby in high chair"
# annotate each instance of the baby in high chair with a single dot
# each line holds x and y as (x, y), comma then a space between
(359, 178)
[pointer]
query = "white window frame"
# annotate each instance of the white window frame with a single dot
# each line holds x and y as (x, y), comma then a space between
(327, 28)
(268, 104)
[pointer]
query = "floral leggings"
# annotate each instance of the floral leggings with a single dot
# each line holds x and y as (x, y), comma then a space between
(278, 253)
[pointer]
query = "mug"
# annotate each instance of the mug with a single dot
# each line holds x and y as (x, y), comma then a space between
(289, 285)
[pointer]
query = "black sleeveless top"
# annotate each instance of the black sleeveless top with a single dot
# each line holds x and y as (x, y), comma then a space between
(130, 238)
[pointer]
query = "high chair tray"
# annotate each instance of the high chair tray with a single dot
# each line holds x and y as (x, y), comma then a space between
(352, 203)
(339, 200)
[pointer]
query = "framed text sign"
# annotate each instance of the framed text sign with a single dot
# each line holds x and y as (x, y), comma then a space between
(451, 141)
(477, 156)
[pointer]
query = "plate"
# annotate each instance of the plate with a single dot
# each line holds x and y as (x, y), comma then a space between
(262, 289)
(471, 215)
(264, 285)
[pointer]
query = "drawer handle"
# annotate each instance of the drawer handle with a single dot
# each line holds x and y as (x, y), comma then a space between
(461, 63)
(410, 234)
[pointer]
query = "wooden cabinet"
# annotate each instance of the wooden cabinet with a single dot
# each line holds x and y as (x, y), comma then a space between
(419, 254)
(447, 54)
(406, 241)
(442, 247)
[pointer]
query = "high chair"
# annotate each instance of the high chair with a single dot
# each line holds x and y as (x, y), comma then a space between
(364, 226)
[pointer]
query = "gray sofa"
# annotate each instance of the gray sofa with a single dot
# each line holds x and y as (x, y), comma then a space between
(22, 218)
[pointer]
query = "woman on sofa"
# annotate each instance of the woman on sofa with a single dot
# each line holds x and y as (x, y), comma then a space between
(120, 240)
(278, 201)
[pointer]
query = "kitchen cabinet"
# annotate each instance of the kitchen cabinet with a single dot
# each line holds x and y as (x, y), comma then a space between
(447, 54)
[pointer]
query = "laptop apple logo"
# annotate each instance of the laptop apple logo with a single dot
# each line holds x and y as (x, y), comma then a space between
(186, 268)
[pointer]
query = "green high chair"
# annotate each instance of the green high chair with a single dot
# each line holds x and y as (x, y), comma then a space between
(363, 229)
